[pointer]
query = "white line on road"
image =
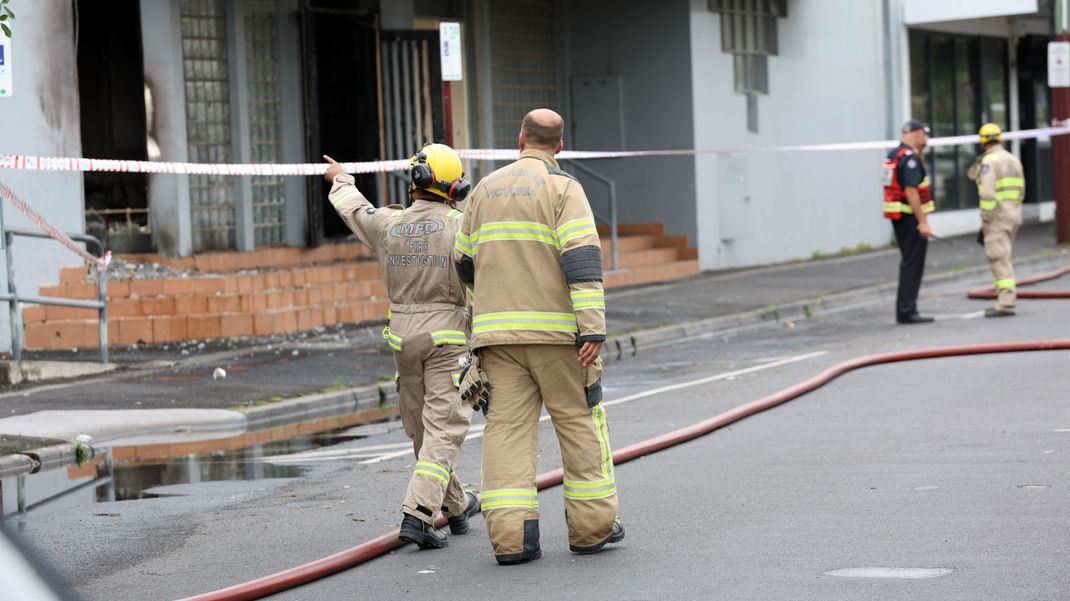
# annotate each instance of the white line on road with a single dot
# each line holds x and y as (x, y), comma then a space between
(970, 315)
(477, 431)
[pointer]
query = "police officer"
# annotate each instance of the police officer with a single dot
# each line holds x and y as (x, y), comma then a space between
(428, 328)
(1001, 188)
(907, 200)
(529, 247)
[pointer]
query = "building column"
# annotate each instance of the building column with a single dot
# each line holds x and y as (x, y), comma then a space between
(169, 206)
(1060, 110)
(244, 230)
(292, 116)
(1012, 80)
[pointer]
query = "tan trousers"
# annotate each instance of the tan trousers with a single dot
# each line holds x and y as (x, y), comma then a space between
(434, 418)
(999, 227)
(524, 377)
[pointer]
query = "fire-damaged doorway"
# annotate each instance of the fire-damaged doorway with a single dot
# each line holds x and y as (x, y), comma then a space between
(369, 95)
(112, 93)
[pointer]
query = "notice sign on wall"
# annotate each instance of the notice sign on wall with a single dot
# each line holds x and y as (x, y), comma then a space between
(5, 65)
(449, 35)
(1059, 64)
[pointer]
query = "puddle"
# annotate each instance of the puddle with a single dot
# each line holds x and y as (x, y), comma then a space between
(128, 473)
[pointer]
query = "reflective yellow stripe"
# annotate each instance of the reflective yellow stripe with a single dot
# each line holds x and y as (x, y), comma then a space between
(454, 214)
(463, 243)
(928, 207)
(588, 491)
(457, 380)
(576, 228)
(524, 320)
(1005, 182)
(392, 339)
(588, 299)
(988, 205)
(1008, 194)
(434, 470)
(892, 207)
(1005, 283)
(598, 414)
(448, 337)
(344, 196)
(521, 498)
(530, 231)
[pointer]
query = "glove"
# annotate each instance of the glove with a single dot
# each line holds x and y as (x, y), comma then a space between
(474, 386)
(981, 237)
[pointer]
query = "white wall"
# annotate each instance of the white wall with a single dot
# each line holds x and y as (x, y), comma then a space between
(826, 85)
(41, 118)
(648, 47)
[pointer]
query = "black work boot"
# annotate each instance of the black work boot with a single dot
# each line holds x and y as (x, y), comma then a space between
(420, 533)
(531, 549)
(459, 523)
(615, 536)
(995, 312)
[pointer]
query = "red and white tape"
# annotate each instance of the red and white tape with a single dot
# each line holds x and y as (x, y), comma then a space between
(39, 163)
(64, 239)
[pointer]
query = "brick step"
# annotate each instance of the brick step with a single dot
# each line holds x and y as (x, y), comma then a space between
(628, 243)
(638, 258)
(647, 274)
(160, 329)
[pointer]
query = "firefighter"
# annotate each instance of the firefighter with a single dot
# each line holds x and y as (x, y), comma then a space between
(1001, 188)
(428, 328)
(907, 200)
(529, 247)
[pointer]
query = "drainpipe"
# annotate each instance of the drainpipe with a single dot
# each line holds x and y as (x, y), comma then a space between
(1012, 76)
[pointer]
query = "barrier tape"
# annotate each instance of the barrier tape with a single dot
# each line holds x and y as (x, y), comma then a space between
(39, 163)
(64, 239)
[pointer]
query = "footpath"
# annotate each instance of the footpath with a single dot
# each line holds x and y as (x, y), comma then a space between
(239, 385)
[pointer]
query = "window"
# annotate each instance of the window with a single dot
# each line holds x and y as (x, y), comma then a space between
(748, 31)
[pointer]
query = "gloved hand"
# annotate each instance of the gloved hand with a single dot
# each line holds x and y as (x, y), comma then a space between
(474, 386)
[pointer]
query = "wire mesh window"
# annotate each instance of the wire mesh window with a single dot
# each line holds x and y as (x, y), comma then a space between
(204, 62)
(523, 63)
(749, 33)
(265, 128)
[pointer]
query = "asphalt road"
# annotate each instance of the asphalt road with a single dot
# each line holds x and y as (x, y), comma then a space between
(958, 464)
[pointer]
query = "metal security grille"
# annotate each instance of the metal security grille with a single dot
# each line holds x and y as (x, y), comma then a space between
(749, 33)
(412, 97)
(523, 64)
(204, 62)
(269, 201)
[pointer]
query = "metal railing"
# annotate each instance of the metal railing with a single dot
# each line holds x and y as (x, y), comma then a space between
(15, 300)
(611, 185)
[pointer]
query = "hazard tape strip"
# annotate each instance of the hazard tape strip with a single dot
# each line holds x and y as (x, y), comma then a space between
(64, 239)
(39, 163)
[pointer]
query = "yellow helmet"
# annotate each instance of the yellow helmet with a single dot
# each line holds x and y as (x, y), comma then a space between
(990, 132)
(437, 169)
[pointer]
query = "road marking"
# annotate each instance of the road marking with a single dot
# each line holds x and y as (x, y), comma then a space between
(970, 315)
(477, 431)
(901, 573)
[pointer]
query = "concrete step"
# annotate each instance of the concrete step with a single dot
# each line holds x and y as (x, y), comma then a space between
(648, 274)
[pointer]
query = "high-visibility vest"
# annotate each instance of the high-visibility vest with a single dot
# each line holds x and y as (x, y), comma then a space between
(895, 198)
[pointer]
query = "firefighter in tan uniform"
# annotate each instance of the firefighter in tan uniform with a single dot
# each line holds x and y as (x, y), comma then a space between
(529, 247)
(1001, 188)
(428, 328)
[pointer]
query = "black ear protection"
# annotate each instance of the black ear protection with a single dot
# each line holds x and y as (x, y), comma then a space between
(424, 177)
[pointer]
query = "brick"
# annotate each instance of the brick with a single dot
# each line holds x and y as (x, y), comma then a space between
(330, 315)
(230, 284)
(316, 316)
(57, 313)
(286, 298)
(63, 335)
(224, 304)
(158, 306)
(203, 326)
(118, 289)
(191, 305)
(286, 279)
(33, 314)
(85, 291)
(260, 302)
(144, 288)
(134, 329)
(169, 329)
(237, 325)
(124, 307)
(301, 297)
(286, 321)
(208, 286)
(315, 296)
(245, 283)
(264, 323)
(51, 291)
(304, 319)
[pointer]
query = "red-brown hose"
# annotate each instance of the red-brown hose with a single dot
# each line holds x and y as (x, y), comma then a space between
(988, 292)
(261, 587)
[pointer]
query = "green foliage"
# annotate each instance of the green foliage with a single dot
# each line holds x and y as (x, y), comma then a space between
(6, 17)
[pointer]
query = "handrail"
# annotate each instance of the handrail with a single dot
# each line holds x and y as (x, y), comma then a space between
(15, 301)
(612, 186)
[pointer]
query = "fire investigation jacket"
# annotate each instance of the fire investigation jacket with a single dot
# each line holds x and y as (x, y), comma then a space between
(413, 246)
(529, 247)
(999, 176)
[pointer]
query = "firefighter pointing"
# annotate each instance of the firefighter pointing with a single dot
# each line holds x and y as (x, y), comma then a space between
(907, 200)
(529, 247)
(428, 328)
(1001, 188)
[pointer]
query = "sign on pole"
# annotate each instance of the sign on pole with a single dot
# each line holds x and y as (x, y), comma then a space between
(5, 65)
(1059, 64)
(450, 36)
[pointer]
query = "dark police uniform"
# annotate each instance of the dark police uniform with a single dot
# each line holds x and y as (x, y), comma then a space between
(910, 173)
